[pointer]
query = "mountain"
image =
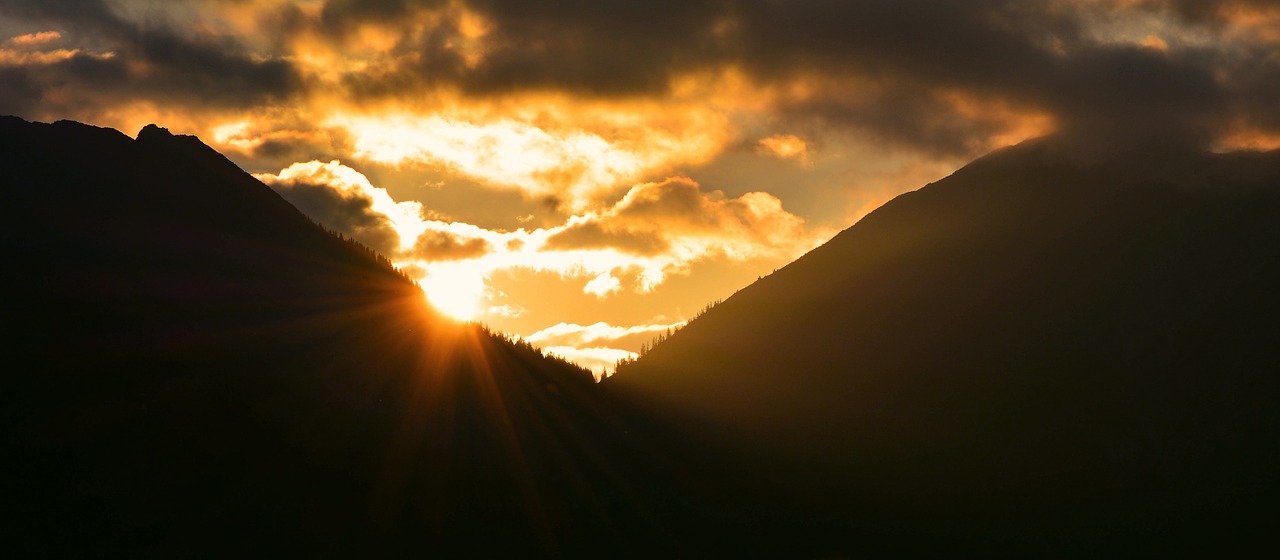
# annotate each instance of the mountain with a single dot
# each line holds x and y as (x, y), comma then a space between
(192, 367)
(1041, 353)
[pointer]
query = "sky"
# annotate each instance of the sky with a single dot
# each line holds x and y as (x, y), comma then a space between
(589, 174)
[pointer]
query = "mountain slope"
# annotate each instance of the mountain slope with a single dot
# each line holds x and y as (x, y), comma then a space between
(193, 367)
(1037, 352)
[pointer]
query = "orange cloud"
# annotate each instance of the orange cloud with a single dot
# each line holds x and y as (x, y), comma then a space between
(1244, 137)
(786, 146)
(698, 222)
(547, 148)
(32, 39)
(664, 227)
(593, 235)
(1155, 43)
(1255, 21)
(24, 50)
(506, 153)
(248, 136)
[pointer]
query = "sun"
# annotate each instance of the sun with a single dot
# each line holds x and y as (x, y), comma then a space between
(460, 294)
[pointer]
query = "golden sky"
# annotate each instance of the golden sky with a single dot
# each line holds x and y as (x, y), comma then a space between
(589, 174)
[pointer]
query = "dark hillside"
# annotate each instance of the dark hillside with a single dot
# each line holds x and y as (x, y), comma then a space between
(194, 367)
(1037, 352)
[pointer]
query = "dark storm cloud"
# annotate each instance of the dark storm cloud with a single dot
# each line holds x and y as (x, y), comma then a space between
(1128, 94)
(593, 235)
(347, 213)
(627, 47)
(888, 68)
(620, 47)
(1255, 90)
(151, 61)
(1214, 12)
(436, 245)
(942, 41)
(906, 72)
(587, 47)
(1029, 54)
(20, 94)
(902, 112)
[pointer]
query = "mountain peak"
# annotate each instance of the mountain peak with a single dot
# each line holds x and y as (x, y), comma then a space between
(153, 131)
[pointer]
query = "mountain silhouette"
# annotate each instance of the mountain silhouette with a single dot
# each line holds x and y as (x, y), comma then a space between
(194, 367)
(1042, 352)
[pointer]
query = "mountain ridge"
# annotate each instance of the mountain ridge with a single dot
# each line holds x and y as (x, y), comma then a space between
(976, 366)
(1032, 340)
(198, 368)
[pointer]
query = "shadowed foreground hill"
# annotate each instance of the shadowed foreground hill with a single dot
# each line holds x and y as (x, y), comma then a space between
(192, 366)
(1037, 352)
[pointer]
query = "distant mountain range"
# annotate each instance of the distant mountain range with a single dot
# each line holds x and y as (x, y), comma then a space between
(1041, 350)
(1042, 354)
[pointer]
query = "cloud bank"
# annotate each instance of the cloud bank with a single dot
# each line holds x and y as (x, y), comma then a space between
(617, 146)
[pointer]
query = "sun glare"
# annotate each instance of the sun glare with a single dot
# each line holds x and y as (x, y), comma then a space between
(454, 291)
